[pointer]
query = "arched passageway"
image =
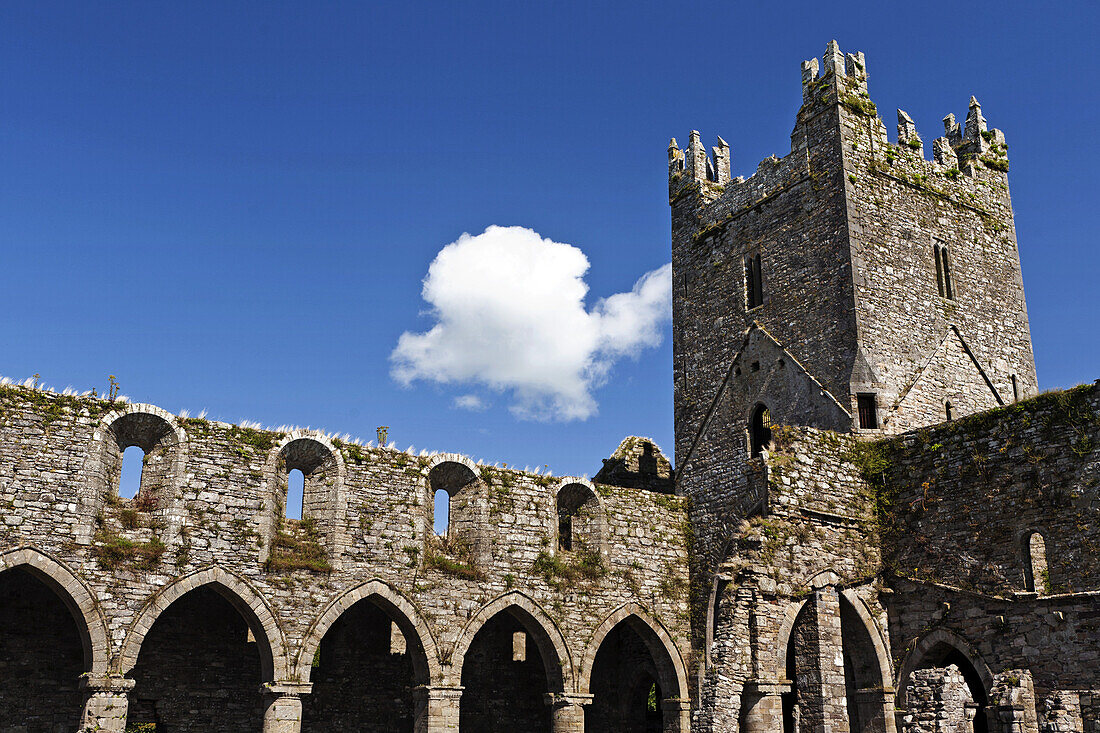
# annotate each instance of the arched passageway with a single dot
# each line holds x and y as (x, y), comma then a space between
(865, 671)
(199, 669)
(41, 656)
(863, 681)
(945, 686)
(505, 679)
(364, 674)
(626, 685)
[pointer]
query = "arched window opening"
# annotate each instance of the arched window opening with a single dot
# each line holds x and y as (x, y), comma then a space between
(129, 482)
(306, 491)
(442, 512)
(579, 522)
(948, 411)
(1037, 574)
(295, 493)
(456, 509)
(140, 461)
(760, 430)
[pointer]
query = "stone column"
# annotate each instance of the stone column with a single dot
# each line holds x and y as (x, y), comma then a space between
(283, 706)
(819, 664)
(762, 706)
(676, 714)
(567, 711)
(437, 709)
(105, 703)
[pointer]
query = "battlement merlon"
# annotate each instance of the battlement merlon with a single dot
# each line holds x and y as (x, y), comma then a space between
(694, 166)
(852, 68)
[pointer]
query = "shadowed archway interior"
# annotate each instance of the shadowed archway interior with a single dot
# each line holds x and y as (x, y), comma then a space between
(364, 674)
(41, 656)
(504, 679)
(199, 669)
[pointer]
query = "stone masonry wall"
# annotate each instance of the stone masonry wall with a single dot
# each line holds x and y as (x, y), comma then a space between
(967, 495)
(213, 516)
(900, 206)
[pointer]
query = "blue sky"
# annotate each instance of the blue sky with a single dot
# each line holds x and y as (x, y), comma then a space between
(232, 206)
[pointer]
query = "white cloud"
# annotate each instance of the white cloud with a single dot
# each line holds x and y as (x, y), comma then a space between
(470, 402)
(510, 315)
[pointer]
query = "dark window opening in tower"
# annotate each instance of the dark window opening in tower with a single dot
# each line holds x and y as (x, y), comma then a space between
(760, 429)
(295, 493)
(868, 411)
(1015, 390)
(754, 290)
(129, 482)
(947, 410)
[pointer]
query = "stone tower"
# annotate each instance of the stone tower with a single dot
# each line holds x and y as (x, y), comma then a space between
(851, 285)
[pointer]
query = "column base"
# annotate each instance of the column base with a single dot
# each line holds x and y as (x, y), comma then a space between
(106, 703)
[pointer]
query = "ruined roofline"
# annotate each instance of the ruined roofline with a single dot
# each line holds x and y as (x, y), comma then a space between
(103, 407)
(713, 407)
(1003, 412)
(967, 151)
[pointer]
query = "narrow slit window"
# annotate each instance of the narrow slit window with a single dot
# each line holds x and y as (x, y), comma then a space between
(1038, 577)
(943, 272)
(939, 269)
(441, 519)
(295, 493)
(129, 483)
(754, 290)
(948, 288)
(868, 411)
(948, 412)
(1015, 389)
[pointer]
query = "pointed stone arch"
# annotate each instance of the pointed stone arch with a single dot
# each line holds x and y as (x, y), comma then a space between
(76, 597)
(666, 655)
(547, 636)
(783, 639)
(399, 608)
(247, 601)
(874, 632)
(919, 651)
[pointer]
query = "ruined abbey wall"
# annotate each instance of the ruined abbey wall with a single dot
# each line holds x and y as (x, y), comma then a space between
(210, 517)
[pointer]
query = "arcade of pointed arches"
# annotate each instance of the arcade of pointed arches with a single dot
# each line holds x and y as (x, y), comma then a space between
(637, 692)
